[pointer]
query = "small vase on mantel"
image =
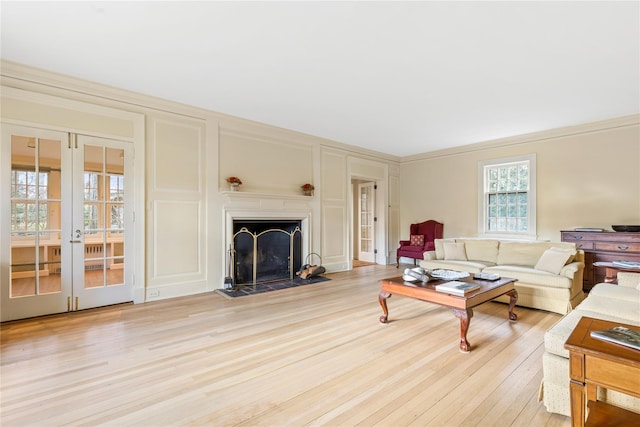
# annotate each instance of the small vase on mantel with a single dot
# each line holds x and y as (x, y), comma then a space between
(234, 182)
(307, 189)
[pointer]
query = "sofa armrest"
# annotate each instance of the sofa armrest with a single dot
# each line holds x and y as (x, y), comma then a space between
(404, 243)
(429, 255)
(571, 269)
(628, 279)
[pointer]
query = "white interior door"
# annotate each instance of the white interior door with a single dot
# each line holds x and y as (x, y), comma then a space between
(102, 218)
(35, 257)
(366, 226)
(64, 243)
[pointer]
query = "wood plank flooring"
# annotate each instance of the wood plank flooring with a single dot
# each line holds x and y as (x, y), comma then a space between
(312, 355)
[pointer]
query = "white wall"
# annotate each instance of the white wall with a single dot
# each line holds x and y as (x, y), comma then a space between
(186, 154)
(587, 176)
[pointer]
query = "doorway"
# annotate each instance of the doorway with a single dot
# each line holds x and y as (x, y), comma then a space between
(67, 211)
(365, 224)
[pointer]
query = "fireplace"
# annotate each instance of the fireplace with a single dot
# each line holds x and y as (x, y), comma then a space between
(266, 250)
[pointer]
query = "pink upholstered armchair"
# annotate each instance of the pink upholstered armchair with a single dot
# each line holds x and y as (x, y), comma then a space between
(421, 237)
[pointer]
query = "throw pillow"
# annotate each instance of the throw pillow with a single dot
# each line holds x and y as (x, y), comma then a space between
(454, 251)
(553, 259)
(416, 240)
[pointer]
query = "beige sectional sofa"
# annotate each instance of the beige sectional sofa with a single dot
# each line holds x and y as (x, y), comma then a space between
(617, 303)
(549, 274)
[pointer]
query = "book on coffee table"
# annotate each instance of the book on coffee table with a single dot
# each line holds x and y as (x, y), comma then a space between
(455, 287)
(619, 335)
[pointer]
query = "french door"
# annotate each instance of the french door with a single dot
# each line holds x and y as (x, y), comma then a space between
(65, 217)
(366, 218)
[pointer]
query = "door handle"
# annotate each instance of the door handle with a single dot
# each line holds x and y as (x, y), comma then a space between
(77, 235)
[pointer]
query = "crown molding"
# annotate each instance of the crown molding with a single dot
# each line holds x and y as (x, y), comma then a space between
(25, 77)
(597, 126)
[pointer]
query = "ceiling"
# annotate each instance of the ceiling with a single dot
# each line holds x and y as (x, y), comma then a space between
(400, 78)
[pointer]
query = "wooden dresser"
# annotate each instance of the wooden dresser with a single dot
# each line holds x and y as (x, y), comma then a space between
(605, 246)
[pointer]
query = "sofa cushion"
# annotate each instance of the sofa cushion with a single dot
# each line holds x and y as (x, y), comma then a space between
(454, 251)
(416, 240)
(553, 259)
(608, 290)
(468, 266)
(409, 248)
(520, 253)
(629, 279)
(527, 253)
(439, 247)
(531, 276)
(482, 250)
(627, 310)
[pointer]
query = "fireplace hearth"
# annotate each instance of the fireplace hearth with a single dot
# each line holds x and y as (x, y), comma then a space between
(266, 250)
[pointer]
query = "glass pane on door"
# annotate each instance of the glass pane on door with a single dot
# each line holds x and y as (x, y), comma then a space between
(366, 245)
(115, 210)
(35, 216)
(103, 216)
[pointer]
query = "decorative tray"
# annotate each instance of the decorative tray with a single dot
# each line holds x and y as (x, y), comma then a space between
(442, 274)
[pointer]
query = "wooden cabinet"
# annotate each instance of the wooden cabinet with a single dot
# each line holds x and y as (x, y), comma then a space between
(603, 246)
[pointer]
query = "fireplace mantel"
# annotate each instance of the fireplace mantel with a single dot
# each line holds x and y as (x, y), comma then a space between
(258, 195)
(242, 205)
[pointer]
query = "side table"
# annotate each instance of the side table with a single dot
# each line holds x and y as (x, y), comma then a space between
(611, 270)
(595, 363)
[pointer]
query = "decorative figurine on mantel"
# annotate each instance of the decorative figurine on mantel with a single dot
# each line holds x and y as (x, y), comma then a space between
(234, 183)
(307, 189)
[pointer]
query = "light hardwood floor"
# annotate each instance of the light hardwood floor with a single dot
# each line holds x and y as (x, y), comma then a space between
(312, 355)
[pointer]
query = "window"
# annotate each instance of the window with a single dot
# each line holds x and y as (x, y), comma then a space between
(28, 188)
(507, 199)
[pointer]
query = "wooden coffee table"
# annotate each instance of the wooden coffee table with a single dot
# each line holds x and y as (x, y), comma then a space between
(595, 363)
(462, 306)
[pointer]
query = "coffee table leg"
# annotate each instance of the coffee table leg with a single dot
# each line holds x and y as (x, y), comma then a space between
(513, 298)
(465, 318)
(382, 298)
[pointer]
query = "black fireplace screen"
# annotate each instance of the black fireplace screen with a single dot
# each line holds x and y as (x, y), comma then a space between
(266, 251)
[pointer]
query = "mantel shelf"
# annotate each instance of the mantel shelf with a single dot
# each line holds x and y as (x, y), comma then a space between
(259, 195)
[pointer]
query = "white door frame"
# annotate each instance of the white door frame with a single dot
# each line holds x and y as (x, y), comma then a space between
(71, 254)
(93, 120)
(380, 225)
(371, 254)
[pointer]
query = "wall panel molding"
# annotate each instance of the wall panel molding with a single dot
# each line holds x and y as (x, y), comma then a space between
(176, 154)
(264, 163)
(178, 232)
(334, 177)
